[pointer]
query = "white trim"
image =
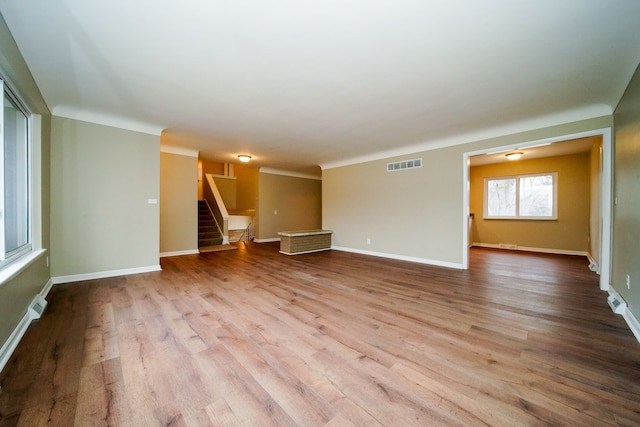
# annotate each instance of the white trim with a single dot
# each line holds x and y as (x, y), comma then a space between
(69, 112)
(18, 332)
(576, 115)
(14, 339)
(104, 274)
(287, 173)
(606, 208)
(304, 252)
(530, 249)
(19, 265)
(633, 323)
(270, 240)
(47, 288)
(606, 198)
(517, 216)
(222, 176)
(179, 253)
(181, 151)
(400, 257)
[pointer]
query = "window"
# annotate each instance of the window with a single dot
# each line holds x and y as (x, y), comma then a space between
(14, 179)
(521, 197)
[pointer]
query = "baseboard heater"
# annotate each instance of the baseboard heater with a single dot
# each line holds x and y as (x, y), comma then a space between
(617, 304)
(37, 306)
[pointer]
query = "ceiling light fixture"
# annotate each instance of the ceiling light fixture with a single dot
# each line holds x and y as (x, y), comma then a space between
(244, 158)
(515, 155)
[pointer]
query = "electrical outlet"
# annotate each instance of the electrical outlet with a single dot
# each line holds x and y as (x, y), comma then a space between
(368, 241)
(628, 282)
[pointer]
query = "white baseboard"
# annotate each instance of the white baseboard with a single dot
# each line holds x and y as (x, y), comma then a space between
(400, 257)
(273, 239)
(633, 323)
(530, 249)
(104, 274)
(14, 339)
(47, 288)
(179, 253)
(304, 252)
(18, 332)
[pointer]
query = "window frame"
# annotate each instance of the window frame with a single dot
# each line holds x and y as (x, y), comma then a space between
(517, 216)
(7, 259)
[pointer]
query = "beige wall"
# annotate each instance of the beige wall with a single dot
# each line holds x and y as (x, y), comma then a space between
(178, 203)
(626, 212)
(570, 232)
(214, 168)
(227, 186)
(18, 292)
(297, 201)
(101, 180)
(248, 180)
(415, 213)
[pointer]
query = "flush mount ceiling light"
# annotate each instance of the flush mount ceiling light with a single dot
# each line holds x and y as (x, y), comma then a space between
(244, 158)
(514, 155)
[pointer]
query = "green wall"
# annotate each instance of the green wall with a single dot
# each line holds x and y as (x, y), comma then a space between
(17, 292)
(415, 214)
(296, 200)
(626, 212)
(178, 203)
(101, 181)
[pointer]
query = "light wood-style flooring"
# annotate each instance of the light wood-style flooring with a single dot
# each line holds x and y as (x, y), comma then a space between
(255, 338)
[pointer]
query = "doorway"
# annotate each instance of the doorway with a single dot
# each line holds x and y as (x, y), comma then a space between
(600, 210)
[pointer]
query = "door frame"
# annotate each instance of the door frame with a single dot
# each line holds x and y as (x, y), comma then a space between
(606, 192)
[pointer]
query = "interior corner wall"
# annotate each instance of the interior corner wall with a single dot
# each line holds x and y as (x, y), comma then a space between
(568, 233)
(178, 203)
(418, 213)
(626, 211)
(287, 203)
(17, 293)
(102, 179)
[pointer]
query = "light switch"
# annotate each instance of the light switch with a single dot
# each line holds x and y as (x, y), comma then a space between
(152, 201)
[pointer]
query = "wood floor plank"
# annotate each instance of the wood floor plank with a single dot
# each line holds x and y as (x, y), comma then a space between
(253, 337)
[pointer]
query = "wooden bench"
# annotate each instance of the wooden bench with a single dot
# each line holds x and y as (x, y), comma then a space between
(304, 242)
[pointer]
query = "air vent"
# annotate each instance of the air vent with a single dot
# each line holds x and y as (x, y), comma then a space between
(617, 304)
(36, 307)
(404, 165)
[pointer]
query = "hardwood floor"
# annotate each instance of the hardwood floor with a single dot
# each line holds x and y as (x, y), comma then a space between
(255, 338)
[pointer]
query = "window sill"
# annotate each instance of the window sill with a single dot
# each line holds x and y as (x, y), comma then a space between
(17, 267)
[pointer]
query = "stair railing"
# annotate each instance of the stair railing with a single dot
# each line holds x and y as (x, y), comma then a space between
(216, 204)
(215, 221)
(248, 231)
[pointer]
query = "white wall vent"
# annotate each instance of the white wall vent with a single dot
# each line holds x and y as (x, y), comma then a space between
(617, 304)
(36, 307)
(404, 165)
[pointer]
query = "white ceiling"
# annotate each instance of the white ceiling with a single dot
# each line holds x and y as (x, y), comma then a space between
(301, 83)
(535, 150)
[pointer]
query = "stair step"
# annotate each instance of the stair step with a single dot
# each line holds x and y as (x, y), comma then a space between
(210, 242)
(208, 233)
(211, 235)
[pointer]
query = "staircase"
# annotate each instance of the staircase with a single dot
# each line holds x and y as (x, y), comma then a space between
(208, 232)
